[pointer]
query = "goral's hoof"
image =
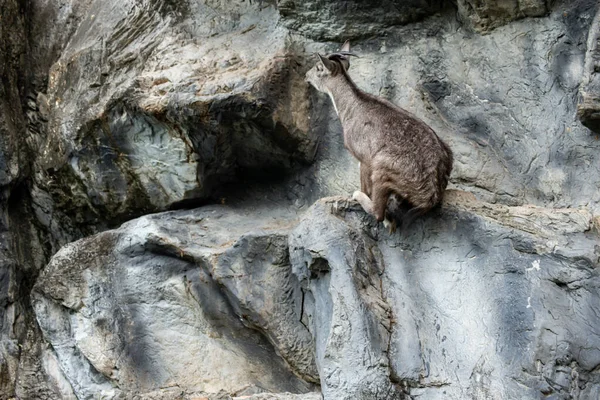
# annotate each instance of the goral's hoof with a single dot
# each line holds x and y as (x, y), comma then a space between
(390, 225)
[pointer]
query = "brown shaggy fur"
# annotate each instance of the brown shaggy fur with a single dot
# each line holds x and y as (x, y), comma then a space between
(399, 154)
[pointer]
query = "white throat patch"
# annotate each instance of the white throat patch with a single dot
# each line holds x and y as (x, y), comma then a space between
(333, 101)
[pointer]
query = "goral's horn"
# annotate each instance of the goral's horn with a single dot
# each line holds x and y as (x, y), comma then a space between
(344, 54)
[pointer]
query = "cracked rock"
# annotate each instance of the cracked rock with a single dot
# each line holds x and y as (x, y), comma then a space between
(146, 112)
(485, 15)
(204, 300)
(341, 20)
(462, 306)
(473, 300)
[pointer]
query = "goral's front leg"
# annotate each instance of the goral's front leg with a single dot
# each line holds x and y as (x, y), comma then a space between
(364, 201)
(366, 184)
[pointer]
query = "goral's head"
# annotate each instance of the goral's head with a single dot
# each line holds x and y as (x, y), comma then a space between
(328, 67)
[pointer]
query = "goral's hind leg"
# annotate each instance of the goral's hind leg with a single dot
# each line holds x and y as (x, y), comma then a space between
(380, 196)
(367, 205)
(375, 207)
(365, 179)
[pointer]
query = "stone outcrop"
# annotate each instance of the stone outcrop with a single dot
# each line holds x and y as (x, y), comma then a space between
(334, 20)
(342, 20)
(145, 112)
(473, 301)
(258, 284)
(485, 15)
(462, 306)
(202, 300)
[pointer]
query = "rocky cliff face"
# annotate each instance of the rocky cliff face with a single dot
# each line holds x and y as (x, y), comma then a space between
(167, 228)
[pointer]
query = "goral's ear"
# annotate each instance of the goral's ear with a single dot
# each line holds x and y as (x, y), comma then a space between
(346, 46)
(327, 63)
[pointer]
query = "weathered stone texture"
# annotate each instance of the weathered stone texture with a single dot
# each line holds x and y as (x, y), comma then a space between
(178, 299)
(11, 126)
(22, 252)
(462, 306)
(485, 15)
(505, 101)
(146, 112)
(114, 109)
(341, 20)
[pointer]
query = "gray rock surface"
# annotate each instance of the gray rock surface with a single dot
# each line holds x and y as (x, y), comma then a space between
(334, 20)
(145, 112)
(11, 125)
(462, 306)
(485, 15)
(340, 20)
(23, 249)
(506, 103)
(112, 110)
(472, 302)
(203, 300)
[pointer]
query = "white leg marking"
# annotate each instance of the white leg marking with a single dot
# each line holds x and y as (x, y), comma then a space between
(364, 201)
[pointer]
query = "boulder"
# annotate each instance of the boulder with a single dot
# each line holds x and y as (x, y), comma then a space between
(202, 300)
(474, 300)
(463, 305)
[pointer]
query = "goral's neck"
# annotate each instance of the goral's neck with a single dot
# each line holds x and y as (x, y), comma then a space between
(343, 93)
